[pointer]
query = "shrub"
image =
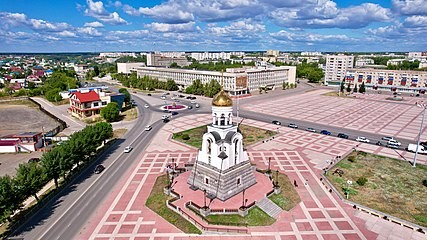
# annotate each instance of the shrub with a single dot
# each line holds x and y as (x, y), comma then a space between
(425, 182)
(185, 137)
(362, 181)
(352, 159)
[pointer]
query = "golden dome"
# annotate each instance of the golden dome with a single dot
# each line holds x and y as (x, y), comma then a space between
(222, 99)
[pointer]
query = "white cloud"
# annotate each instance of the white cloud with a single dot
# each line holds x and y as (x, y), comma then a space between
(309, 37)
(243, 27)
(165, 27)
(89, 31)
(19, 19)
(67, 34)
(168, 13)
(97, 10)
(327, 15)
(410, 7)
(415, 21)
(93, 24)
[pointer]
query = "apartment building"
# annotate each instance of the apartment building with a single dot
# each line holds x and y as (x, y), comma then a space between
(158, 60)
(336, 68)
(400, 80)
(237, 81)
(128, 68)
(201, 56)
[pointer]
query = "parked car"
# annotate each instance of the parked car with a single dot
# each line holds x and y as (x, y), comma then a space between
(342, 135)
(148, 128)
(128, 149)
(413, 148)
(311, 129)
(362, 139)
(292, 125)
(146, 106)
(188, 97)
(276, 122)
(192, 98)
(99, 168)
(149, 94)
(379, 143)
(325, 132)
(163, 97)
(393, 146)
(193, 102)
(387, 138)
(166, 111)
(34, 160)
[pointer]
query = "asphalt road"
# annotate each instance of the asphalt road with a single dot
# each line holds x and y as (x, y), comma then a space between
(65, 215)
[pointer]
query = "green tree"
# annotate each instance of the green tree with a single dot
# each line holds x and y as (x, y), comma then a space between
(174, 65)
(362, 88)
(171, 85)
(96, 71)
(212, 88)
(315, 75)
(53, 95)
(9, 198)
(355, 88)
(125, 92)
(30, 179)
(50, 162)
(110, 112)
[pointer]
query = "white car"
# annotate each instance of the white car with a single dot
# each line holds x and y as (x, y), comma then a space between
(165, 117)
(128, 149)
(393, 142)
(148, 128)
(362, 139)
(146, 106)
(163, 97)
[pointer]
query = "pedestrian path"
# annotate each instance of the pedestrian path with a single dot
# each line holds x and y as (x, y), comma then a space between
(269, 207)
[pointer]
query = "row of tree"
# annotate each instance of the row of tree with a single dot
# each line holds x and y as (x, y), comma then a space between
(208, 89)
(145, 83)
(361, 89)
(215, 66)
(310, 71)
(60, 161)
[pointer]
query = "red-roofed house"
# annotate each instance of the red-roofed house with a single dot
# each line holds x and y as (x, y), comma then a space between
(85, 104)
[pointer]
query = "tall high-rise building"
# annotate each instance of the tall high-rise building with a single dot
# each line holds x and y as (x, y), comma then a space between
(336, 68)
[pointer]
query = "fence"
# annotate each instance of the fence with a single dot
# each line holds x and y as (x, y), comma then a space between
(62, 123)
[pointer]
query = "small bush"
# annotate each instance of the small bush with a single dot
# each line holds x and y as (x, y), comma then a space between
(185, 137)
(425, 182)
(362, 181)
(352, 159)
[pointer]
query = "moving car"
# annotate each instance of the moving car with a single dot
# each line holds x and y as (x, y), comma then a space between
(197, 105)
(148, 128)
(276, 122)
(311, 129)
(166, 120)
(149, 94)
(190, 107)
(128, 149)
(193, 102)
(146, 106)
(174, 113)
(163, 97)
(342, 135)
(292, 125)
(98, 169)
(164, 117)
(325, 132)
(362, 139)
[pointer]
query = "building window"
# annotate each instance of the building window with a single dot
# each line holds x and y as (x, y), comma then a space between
(239, 181)
(95, 104)
(206, 181)
(104, 103)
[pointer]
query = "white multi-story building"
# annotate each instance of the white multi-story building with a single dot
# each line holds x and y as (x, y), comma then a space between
(200, 56)
(401, 80)
(172, 54)
(336, 68)
(395, 62)
(423, 64)
(364, 61)
(274, 53)
(128, 68)
(117, 54)
(162, 61)
(237, 81)
(314, 54)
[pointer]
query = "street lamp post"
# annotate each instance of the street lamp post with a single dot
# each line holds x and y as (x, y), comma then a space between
(349, 182)
(423, 106)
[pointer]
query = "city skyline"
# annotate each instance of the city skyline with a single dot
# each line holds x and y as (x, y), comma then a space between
(213, 25)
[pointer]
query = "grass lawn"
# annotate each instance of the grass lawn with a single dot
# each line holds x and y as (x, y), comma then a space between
(129, 114)
(27, 103)
(335, 94)
(118, 133)
(288, 197)
(157, 202)
(250, 135)
(393, 186)
(255, 217)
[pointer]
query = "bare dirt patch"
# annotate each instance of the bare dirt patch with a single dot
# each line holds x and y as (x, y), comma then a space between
(23, 116)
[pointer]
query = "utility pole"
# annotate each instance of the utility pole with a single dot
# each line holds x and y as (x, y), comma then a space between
(423, 106)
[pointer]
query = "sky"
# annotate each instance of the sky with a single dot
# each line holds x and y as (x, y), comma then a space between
(213, 25)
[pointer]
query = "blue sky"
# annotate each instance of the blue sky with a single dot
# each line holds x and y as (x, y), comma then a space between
(212, 25)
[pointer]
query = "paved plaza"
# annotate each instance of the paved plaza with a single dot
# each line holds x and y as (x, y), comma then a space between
(299, 154)
(368, 113)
